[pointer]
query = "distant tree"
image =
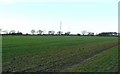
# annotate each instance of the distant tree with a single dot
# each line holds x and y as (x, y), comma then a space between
(90, 33)
(26, 34)
(39, 32)
(33, 31)
(12, 32)
(78, 34)
(59, 32)
(67, 33)
(51, 32)
(84, 32)
(108, 34)
(19, 33)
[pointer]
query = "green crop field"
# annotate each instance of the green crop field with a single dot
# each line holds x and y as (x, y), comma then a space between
(59, 54)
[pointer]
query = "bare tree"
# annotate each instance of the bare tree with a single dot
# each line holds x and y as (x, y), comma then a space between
(51, 32)
(19, 33)
(39, 32)
(90, 33)
(12, 31)
(67, 33)
(84, 32)
(59, 32)
(33, 31)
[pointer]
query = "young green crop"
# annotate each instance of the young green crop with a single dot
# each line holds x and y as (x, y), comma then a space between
(50, 53)
(106, 61)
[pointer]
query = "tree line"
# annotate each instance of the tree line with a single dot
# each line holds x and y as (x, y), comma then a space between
(51, 32)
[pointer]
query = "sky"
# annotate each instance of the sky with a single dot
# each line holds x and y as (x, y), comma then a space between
(76, 15)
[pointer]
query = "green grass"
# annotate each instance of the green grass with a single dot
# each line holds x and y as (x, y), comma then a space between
(51, 53)
(104, 62)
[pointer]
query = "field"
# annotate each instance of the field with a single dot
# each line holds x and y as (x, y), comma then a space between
(59, 54)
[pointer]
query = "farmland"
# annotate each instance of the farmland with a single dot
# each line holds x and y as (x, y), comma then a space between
(59, 54)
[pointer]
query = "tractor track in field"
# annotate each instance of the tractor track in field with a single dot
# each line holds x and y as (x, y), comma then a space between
(87, 58)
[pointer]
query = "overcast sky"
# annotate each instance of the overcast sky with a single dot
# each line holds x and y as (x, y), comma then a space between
(76, 15)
